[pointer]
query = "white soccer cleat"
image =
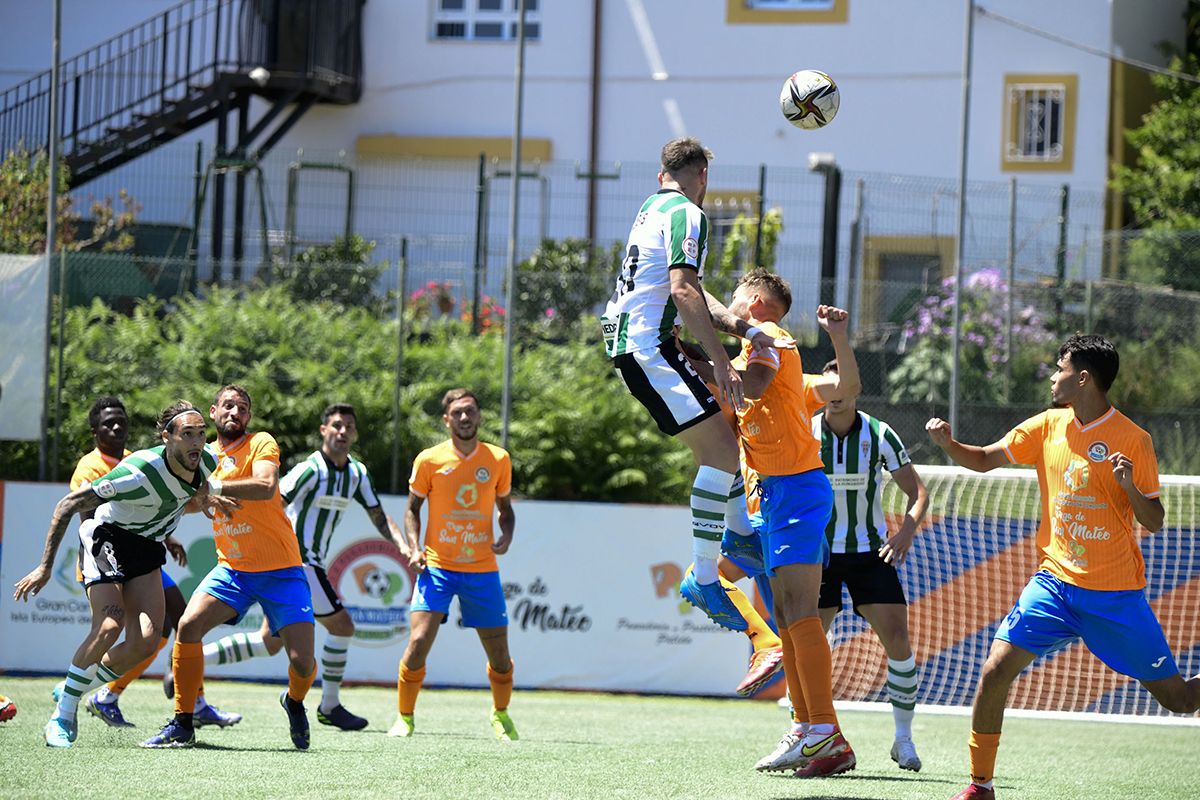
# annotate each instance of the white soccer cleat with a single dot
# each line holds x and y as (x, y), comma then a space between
(904, 753)
(786, 754)
(403, 726)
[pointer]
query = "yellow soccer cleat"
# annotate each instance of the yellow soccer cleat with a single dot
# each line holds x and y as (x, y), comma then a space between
(503, 725)
(403, 726)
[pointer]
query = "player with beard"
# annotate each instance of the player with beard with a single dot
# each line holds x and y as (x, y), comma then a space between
(137, 506)
(258, 561)
(462, 478)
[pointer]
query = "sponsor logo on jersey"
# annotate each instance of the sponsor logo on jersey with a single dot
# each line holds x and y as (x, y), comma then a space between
(1097, 451)
(467, 496)
(1075, 477)
(228, 464)
(482, 474)
(866, 448)
(374, 584)
(691, 248)
(105, 489)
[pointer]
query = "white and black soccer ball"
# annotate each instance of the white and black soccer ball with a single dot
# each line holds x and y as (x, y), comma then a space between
(810, 99)
(376, 583)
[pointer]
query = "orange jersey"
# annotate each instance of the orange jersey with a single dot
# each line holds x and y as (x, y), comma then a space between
(1086, 532)
(461, 491)
(94, 465)
(776, 429)
(258, 536)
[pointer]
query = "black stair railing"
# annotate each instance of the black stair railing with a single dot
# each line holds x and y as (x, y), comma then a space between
(179, 55)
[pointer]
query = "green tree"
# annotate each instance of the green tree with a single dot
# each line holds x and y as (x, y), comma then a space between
(560, 283)
(1163, 186)
(341, 272)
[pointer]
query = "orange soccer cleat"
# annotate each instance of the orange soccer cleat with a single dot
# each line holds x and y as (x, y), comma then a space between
(764, 665)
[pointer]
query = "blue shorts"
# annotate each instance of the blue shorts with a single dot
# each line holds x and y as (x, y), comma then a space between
(1118, 627)
(283, 594)
(480, 596)
(168, 581)
(796, 511)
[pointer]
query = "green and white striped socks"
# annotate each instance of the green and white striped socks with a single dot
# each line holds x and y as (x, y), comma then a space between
(235, 648)
(333, 667)
(79, 681)
(710, 497)
(902, 691)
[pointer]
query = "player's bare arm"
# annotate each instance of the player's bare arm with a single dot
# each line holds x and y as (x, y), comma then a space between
(260, 486)
(756, 379)
(845, 383)
(388, 529)
(973, 457)
(177, 550)
(412, 528)
(81, 500)
(508, 522)
(896, 548)
(1148, 511)
(693, 310)
(726, 321)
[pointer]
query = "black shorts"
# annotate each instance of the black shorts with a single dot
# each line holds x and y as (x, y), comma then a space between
(664, 382)
(110, 554)
(870, 579)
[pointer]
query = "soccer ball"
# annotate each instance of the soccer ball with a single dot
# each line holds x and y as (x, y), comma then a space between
(375, 583)
(8, 709)
(809, 99)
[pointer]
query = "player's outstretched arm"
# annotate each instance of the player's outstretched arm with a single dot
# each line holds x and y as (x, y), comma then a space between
(80, 500)
(508, 522)
(261, 485)
(845, 383)
(726, 321)
(973, 457)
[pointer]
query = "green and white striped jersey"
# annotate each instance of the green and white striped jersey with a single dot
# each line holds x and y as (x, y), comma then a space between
(669, 231)
(144, 496)
(316, 493)
(855, 467)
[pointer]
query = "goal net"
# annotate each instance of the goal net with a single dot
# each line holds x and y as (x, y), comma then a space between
(967, 568)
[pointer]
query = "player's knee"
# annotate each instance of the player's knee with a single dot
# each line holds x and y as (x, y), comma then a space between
(107, 632)
(303, 663)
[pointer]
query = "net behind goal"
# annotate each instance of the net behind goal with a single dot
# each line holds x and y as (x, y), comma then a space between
(967, 568)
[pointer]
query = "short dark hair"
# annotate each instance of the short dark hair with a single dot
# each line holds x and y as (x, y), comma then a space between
(686, 152)
(763, 280)
(454, 395)
(108, 401)
(345, 409)
(1095, 354)
(830, 366)
(167, 418)
(232, 387)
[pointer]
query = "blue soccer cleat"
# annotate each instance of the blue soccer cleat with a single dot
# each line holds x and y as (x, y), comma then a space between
(60, 732)
(211, 715)
(173, 734)
(57, 691)
(297, 721)
(109, 712)
(713, 601)
(745, 549)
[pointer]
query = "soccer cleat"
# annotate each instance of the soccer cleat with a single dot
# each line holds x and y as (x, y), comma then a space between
(211, 715)
(173, 734)
(904, 753)
(765, 664)
(109, 712)
(822, 745)
(746, 549)
(340, 717)
(975, 792)
(828, 766)
(786, 754)
(60, 732)
(8, 709)
(503, 725)
(297, 721)
(403, 727)
(169, 684)
(57, 691)
(713, 601)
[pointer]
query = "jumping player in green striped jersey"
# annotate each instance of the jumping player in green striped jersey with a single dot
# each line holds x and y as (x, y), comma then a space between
(657, 289)
(317, 491)
(856, 448)
(137, 506)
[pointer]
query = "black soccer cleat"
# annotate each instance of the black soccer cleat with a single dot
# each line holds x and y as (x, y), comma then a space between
(297, 721)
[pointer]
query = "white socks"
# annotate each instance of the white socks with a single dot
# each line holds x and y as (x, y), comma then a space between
(736, 518)
(333, 667)
(710, 499)
(235, 648)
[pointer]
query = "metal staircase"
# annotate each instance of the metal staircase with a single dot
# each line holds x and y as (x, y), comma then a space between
(192, 64)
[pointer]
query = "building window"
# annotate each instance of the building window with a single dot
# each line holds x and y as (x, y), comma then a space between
(484, 20)
(773, 12)
(1039, 122)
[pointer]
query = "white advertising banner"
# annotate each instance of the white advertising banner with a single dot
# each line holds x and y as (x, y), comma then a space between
(23, 282)
(591, 589)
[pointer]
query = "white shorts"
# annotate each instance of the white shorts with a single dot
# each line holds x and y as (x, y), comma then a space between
(325, 600)
(664, 382)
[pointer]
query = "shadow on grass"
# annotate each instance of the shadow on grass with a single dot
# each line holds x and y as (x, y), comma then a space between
(241, 749)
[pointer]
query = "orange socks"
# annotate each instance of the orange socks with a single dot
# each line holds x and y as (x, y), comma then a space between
(187, 661)
(792, 673)
(298, 685)
(122, 683)
(814, 663)
(983, 755)
(409, 685)
(502, 686)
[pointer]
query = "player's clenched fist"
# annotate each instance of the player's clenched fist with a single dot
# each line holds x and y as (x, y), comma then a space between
(1122, 468)
(939, 430)
(833, 319)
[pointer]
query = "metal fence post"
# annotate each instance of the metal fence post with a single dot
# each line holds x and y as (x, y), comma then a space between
(855, 256)
(1012, 287)
(1060, 259)
(401, 292)
(480, 241)
(762, 214)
